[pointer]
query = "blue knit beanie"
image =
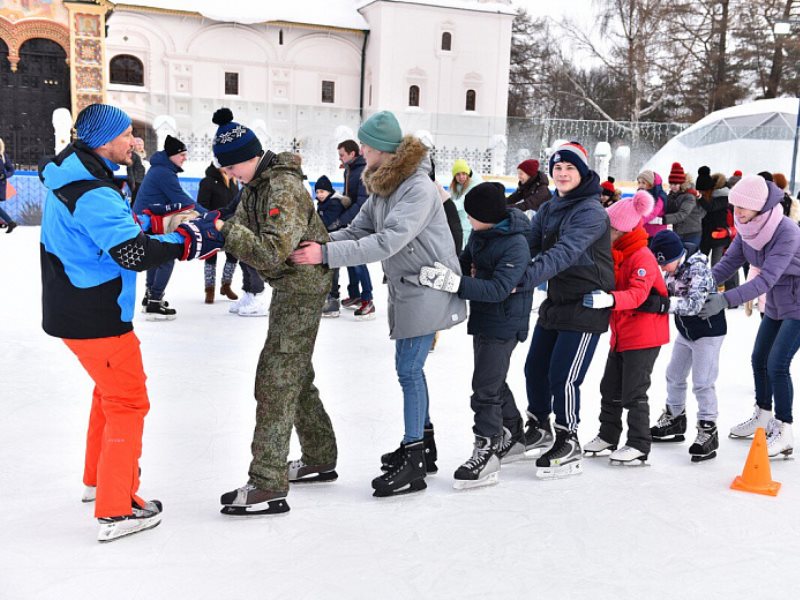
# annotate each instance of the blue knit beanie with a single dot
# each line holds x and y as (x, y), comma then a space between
(98, 124)
(381, 131)
(323, 183)
(234, 143)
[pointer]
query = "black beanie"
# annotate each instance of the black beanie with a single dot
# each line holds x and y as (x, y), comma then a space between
(323, 183)
(666, 246)
(766, 175)
(173, 146)
(486, 203)
(704, 181)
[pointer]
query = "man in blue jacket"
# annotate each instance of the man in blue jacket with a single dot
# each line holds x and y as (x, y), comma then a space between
(571, 250)
(160, 187)
(91, 249)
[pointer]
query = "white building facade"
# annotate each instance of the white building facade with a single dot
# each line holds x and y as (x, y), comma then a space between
(305, 76)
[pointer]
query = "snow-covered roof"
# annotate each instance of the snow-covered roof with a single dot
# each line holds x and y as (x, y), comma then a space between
(499, 6)
(328, 13)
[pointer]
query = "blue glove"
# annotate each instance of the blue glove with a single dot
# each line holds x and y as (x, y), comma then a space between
(200, 237)
(714, 303)
(157, 212)
(598, 299)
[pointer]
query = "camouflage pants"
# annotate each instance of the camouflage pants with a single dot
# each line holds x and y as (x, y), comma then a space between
(286, 395)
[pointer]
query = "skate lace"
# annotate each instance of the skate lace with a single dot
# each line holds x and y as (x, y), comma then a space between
(664, 420)
(479, 456)
(702, 437)
(296, 464)
(773, 431)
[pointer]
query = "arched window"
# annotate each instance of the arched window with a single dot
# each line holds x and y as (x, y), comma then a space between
(413, 95)
(127, 69)
(470, 99)
(447, 41)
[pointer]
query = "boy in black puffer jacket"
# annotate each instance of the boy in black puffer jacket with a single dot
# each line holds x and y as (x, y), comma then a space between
(497, 255)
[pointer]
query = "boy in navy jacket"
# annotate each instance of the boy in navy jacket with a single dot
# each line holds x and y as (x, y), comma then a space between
(497, 255)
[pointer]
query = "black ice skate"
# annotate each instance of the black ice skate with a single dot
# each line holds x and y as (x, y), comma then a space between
(330, 309)
(538, 436)
(159, 310)
(628, 457)
(431, 455)
(141, 519)
(405, 475)
(563, 459)
(300, 472)
(706, 443)
(512, 445)
(248, 501)
(483, 468)
(669, 427)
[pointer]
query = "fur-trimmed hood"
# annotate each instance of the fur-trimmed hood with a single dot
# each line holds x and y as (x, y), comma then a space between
(411, 155)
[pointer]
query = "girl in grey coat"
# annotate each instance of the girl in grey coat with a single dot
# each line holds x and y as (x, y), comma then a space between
(402, 225)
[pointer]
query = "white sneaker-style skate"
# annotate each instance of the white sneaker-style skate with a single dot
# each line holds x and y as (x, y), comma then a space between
(246, 299)
(747, 429)
(143, 518)
(627, 456)
(780, 442)
(597, 446)
(89, 494)
(257, 307)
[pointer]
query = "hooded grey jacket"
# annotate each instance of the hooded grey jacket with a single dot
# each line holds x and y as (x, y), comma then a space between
(403, 225)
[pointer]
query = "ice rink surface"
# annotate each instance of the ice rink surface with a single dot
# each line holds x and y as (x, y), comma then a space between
(670, 530)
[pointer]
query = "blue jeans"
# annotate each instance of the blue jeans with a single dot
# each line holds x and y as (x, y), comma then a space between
(158, 278)
(776, 344)
(409, 359)
(359, 279)
(554, 370)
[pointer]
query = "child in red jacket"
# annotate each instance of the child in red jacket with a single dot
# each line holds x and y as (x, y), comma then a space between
(636, 337)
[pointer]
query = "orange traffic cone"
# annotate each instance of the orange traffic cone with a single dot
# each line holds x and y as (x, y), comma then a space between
(757, 477)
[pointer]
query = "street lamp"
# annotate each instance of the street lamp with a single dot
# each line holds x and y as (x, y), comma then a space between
(784, 28)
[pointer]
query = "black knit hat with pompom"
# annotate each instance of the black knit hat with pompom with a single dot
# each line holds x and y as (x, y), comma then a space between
(234, 143)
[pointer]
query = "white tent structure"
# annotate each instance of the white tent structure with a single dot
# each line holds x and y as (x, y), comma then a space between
(753, 137)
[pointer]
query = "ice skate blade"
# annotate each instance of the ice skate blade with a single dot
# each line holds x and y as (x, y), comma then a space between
(369, 317)
(414, 486)
(326, 477)
(696, 458)
(599, 453)
(636, 462)
(733, 436)
(273, 507)
(153, 317)
(470, 484)
(785, 455)
(559, 472)
(670, 440)
(111, 532)
(331, 315)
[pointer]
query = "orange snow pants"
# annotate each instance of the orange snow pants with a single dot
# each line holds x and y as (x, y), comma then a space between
(116, 421)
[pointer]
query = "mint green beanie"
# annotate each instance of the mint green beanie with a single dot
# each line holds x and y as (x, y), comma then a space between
(381, 131)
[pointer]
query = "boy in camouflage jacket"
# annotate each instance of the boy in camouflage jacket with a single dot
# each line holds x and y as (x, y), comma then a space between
(274, 216)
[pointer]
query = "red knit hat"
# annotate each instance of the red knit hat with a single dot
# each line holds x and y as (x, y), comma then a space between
(608, 187)
(677, 174)
(530, 167)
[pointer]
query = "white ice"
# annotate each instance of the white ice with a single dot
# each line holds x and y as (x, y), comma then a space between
(671, 530)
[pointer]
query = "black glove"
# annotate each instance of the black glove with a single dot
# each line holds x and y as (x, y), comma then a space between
(200, 237)
(655, 303)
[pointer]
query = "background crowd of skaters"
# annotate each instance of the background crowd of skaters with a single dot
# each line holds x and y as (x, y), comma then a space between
(600, 256)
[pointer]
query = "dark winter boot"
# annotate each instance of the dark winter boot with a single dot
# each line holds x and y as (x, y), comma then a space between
(10, 226)
(669, 427)
(431, 455)
(706, 443)
(210, 295)
(226, 291)
(406, 475)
